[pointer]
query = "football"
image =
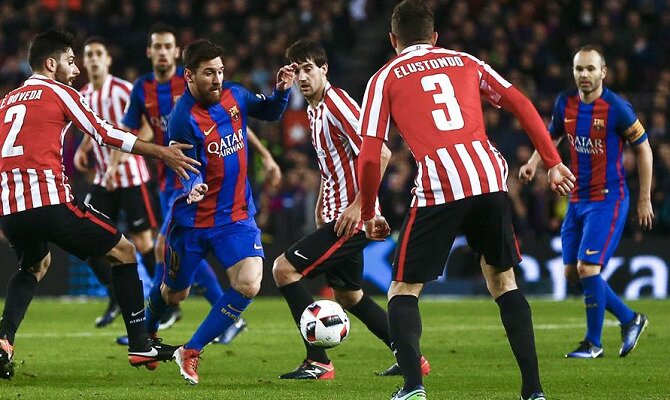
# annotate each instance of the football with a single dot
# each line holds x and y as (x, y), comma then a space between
(324, 324)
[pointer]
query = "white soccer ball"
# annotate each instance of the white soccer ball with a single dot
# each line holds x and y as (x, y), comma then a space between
(324, 324)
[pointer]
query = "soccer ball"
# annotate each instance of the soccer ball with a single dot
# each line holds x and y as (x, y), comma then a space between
(324, 324)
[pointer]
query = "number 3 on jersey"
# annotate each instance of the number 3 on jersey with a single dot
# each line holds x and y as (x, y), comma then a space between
(17, 114)
(447, 97)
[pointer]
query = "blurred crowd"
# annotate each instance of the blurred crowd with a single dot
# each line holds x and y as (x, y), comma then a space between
(531, 43)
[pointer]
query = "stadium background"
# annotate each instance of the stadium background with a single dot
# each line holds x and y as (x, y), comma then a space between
(530, 42)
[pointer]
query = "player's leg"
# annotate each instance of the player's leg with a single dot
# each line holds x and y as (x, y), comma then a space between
(424, 243)
(489, 231)
(107, 203)
(367, 311)
(310, 256)
(208, 283)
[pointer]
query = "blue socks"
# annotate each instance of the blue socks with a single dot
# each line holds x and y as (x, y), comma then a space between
(205, 278)
(617, 307)
(595, 298)
(224, 313)
(155, 309)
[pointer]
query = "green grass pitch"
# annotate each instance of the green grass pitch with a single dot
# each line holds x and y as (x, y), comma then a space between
(60, 355)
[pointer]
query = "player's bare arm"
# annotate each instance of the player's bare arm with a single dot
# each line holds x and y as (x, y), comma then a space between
(645, 212)
(272, 170)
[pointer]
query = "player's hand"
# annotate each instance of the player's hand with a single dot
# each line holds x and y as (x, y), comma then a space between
(561, 179)
(81, 160)
(348, 220)
(109, 177)
(527, 172)
(377, 228)
(174, 157)
(197, 193)
(272, 172)
(285, 76)
(645, 214)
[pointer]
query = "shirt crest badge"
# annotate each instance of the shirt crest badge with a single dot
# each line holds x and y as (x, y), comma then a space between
(599, 123)
(234, 113)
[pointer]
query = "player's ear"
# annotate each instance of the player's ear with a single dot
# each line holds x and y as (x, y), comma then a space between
(51, 64)
(433, 39)
(188, 75)
(324, 68)
(177, 53)
(604, 68)
(148, 52)
(394, 40)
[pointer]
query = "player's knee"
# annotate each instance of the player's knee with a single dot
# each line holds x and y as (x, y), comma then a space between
(283, 272)
(143, 242)
(40, 269)
(248, 289)
(123, 252)
(348, 298)
(173, 299)
(585, 270)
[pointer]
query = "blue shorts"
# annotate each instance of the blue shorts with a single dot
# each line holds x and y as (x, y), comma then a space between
(592, 230)
(167, 199)
(187, 246)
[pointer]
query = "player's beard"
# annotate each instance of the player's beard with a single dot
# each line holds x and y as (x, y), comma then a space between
(62, 76)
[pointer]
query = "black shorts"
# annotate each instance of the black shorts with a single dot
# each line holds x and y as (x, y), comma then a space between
(323, 251)
(139, 203)
(79, 230)
(428, 233)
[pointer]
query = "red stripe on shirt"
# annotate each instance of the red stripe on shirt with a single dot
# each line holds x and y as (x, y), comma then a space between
(570, 121)
(598, 160)
(239, 210)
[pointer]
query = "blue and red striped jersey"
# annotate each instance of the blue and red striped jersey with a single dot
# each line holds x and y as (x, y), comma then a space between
(218, 134)
(597, 133)
(155, 101)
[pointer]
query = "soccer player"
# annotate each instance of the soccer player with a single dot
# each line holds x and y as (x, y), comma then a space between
(120, 181)
(336, 247)
(432, 95)
(37, 203)
(598, 123)
(214, 211)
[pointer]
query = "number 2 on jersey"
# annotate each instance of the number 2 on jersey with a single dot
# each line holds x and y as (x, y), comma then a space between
(447, 97)
(16, 113)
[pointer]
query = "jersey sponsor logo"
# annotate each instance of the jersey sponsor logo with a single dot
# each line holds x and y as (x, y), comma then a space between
(590, 252)
(586, 145)
(297, 253)
(227, 145)
(208, 131)
(234, 113)
(599, 123)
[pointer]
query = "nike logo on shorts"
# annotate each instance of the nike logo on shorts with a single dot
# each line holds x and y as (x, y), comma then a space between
(590, 252)
(297, 253)
(138, 222)
(135, 314)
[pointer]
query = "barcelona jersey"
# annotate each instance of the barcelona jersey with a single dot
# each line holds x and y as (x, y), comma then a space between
(597, 133)
(218, 134)
(155, 100)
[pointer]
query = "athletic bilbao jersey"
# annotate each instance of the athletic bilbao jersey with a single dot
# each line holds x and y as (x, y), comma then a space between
(596, 134)
(432, 95)
(334, 127)
(218, 134)
(33, 121)
(155, 101)
(109, 101)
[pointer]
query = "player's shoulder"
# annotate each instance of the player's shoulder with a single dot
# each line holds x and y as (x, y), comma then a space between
(613, 99)
(147, 77)
(565, 95)
(335, 93)
(124, 84)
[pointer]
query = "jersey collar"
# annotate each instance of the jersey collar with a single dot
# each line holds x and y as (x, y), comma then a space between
(416, 47)
(325, 90)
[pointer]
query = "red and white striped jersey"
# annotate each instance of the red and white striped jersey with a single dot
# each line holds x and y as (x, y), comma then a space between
(33, 121)
(109, 102)
(432, 95)
(334, 126)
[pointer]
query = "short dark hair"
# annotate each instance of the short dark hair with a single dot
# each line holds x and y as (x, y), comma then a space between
(412, 22)
(199, 51)
(306, 49)
(95, 39)
(160, 27)
(590, 47)
(49, 44)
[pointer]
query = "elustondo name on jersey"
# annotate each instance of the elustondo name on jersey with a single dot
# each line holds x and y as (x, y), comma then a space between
(227, 145)
(427, 65)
